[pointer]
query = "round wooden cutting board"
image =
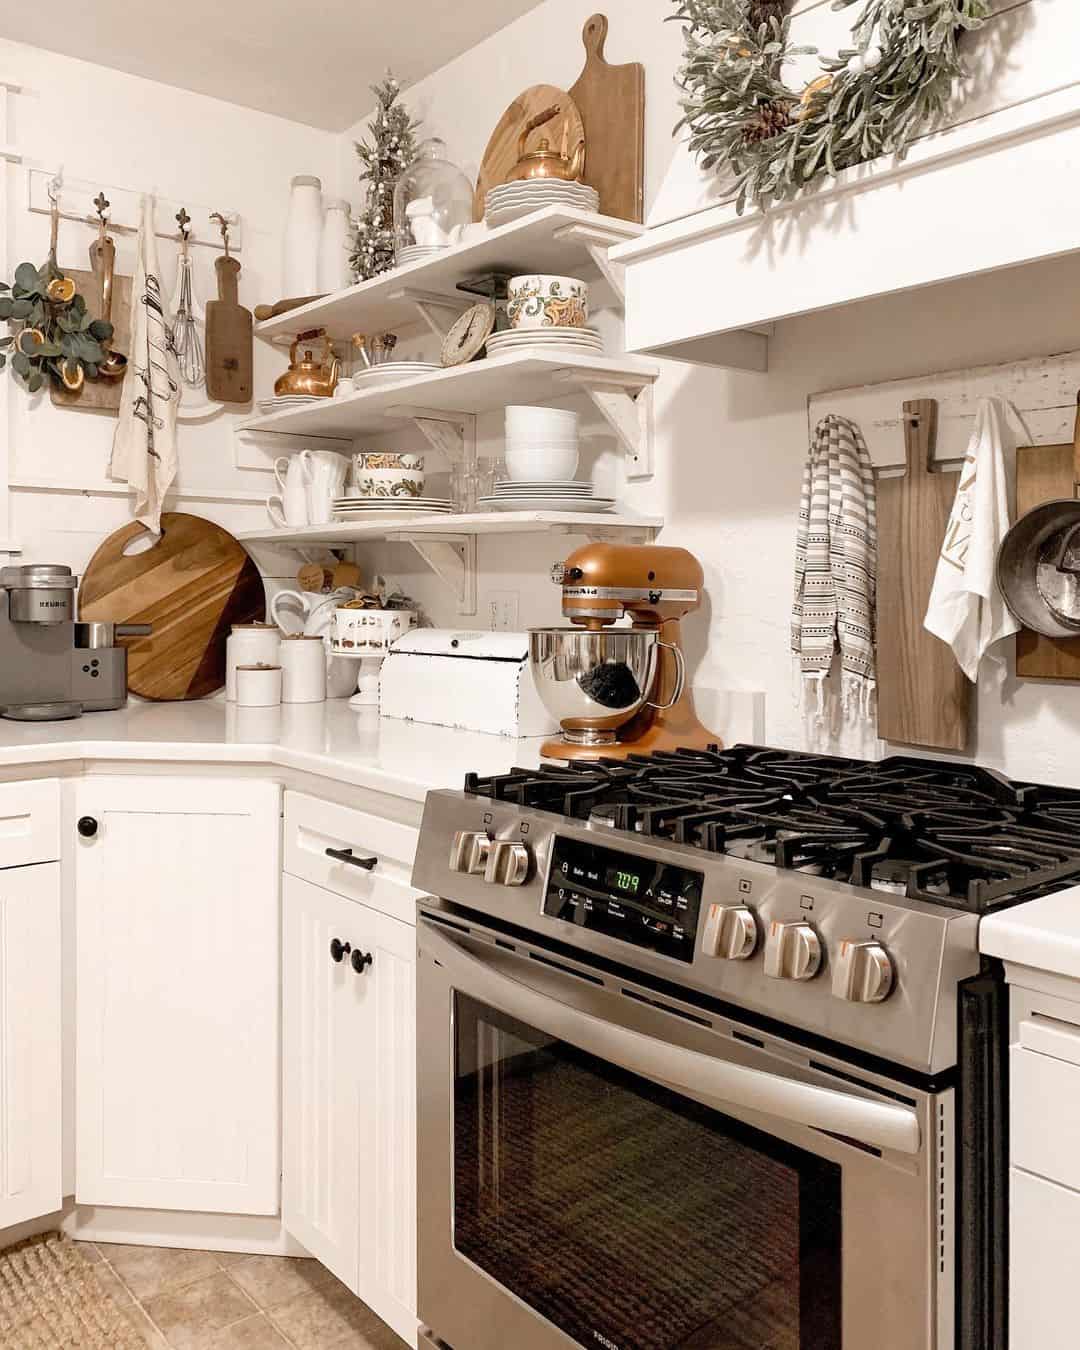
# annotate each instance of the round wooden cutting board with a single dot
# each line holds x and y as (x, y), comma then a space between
(193, 585)
(501, 154)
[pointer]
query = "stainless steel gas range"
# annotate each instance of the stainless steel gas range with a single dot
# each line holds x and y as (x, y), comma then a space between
(708, 1059)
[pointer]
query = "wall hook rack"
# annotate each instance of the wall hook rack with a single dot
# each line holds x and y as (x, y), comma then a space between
(184, 221)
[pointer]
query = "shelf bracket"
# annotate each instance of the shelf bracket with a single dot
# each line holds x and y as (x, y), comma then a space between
(597, 243)
(439, 312)
(453, 434)
(627, 407)
(452, 557)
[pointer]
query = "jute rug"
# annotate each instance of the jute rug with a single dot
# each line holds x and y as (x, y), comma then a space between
(51, 1299)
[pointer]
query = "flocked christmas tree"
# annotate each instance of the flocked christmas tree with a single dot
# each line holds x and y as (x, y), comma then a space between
(384, 156)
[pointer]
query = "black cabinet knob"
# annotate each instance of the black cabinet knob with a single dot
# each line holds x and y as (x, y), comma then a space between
(339, 950)
(87, 827)
(361, 960)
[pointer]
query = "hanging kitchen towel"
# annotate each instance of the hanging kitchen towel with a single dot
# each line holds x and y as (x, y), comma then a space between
(966, 608)
(836, 569)
(144, 447)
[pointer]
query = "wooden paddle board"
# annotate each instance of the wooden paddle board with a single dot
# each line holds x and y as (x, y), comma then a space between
(192, 586)
(924, 697)
(501, 155)
(100, 395)
(1045, 473)
(229, 355)
(611, 101)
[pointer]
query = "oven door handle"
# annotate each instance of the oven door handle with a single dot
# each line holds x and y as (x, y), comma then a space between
(878, 1124)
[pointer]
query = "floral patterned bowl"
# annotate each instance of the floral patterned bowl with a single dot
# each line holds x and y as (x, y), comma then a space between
(386, 474)
(547, 302)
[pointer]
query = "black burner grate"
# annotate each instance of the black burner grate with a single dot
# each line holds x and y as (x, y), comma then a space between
(953, 834)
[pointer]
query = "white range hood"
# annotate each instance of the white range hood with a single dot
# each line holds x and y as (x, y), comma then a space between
(996, 189)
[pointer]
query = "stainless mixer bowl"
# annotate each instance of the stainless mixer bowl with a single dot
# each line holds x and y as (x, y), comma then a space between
(593, 682)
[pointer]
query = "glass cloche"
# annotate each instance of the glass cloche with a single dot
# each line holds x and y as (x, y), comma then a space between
(433, 201)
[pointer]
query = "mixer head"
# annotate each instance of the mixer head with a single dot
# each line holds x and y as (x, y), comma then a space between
(603, 582)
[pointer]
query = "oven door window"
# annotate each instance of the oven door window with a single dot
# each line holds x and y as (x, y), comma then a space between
(629, 1216)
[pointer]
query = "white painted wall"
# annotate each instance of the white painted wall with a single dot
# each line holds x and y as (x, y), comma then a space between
(730, 447)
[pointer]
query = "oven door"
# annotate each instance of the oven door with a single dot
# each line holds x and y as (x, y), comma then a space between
(601, 1164)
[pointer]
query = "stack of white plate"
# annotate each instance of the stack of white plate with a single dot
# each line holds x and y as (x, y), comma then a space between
(417, 253)
(566, 496)
(272, 405)
(357, 508)
(542, 339)
(390, 372)
(511, 201)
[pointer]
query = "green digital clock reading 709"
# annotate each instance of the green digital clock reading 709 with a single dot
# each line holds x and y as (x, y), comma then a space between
(628, 882)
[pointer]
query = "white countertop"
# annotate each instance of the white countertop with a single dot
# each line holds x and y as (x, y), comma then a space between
(404, 759)
(1043, 934)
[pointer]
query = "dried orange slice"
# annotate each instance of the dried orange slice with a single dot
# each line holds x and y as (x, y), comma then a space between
(28, 339)
(61, 290)
(73, 376)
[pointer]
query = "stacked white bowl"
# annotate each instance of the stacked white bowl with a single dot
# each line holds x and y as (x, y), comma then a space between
(541, 445)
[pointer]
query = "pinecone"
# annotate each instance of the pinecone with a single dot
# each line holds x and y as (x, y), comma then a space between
(769, 120)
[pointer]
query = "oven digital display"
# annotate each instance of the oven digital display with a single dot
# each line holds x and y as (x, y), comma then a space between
(650, 904)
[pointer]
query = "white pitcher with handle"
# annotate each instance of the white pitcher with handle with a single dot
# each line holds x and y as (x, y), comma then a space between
(312, 612)
(293, 476)
(326, 471)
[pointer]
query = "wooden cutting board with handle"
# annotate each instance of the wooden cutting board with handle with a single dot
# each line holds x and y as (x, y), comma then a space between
(192, 586)
(100, 395)
(229, 356)
(1047, 473)
(924, 698)
(611, 101)
(501, 155)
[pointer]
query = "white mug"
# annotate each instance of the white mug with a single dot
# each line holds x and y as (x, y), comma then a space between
(290, 508)
(326, 472)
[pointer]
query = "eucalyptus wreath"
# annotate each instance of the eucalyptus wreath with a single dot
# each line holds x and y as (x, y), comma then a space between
(870, 99)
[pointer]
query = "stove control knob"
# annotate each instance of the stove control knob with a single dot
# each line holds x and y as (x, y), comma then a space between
(730, 933)
(507, 864)
(792, 951)
(862, 972)
(469, 852)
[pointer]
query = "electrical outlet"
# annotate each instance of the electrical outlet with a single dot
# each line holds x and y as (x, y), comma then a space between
(503, 611)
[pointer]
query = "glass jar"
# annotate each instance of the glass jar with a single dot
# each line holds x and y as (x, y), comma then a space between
(433, 202)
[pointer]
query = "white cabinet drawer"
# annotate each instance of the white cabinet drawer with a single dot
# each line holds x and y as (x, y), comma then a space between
(29, 823)
(313, 826)
(1044, 1237)
(1045, 1112)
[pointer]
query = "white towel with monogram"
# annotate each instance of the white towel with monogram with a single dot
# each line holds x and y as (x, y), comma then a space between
(966, 608)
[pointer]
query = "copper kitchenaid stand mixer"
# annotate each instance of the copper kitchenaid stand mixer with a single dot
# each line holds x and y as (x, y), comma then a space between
(619, 691)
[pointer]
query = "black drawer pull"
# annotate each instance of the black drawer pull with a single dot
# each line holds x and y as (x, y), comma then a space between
(361, 960)
(339, 950)
(346, 855)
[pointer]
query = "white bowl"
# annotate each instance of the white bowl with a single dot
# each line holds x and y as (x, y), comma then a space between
(541, 466)
(532, 444)
(521, 416)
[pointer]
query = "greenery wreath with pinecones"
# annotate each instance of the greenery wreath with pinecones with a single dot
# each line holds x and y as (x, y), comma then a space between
(869, 100)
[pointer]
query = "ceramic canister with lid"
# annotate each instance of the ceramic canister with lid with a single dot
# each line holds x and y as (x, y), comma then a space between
(249, 644)
(303, 235)
(303, 668)
(258, 686)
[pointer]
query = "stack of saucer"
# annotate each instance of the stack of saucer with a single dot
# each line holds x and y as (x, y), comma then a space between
(412, 253)
(565, 496)
(511, 201)
(533, 340)
(368, 508)
(273, 405)
(391, 372)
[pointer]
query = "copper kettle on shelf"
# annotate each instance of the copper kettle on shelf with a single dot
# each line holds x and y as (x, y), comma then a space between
(317, 378)
(544, 162)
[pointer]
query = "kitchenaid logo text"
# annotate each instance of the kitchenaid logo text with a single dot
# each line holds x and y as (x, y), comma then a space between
(609, 1345)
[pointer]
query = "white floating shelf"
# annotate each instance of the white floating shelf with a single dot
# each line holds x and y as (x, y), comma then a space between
(479, 523)
(554, 240)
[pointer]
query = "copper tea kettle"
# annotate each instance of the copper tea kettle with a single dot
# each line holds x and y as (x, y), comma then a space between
(544, 162)
(308, 376)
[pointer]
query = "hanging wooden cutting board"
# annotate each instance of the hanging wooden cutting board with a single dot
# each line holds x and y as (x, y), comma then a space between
(100, 395)
(229, 326)
(501, 154)
(611, 100)
(193, 585)
(1046, 473)
(924, 697)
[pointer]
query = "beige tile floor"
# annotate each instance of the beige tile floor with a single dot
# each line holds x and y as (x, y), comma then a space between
(188, 1300)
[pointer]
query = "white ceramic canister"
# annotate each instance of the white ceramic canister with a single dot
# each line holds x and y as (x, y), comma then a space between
(258, 686)
(303, 235)
(335, 272)
(303, 669)
(249, 644)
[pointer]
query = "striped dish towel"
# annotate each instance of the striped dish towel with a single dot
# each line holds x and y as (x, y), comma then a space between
(836, 570)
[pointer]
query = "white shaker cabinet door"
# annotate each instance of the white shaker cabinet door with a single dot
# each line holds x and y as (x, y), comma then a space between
(322, 1051)
(30, 1072)
(177, 1060)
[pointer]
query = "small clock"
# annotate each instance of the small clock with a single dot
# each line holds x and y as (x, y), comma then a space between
(465, 341)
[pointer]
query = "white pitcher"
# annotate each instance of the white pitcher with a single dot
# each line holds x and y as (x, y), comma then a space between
(313, 613)
(326, 472)
(290, 508)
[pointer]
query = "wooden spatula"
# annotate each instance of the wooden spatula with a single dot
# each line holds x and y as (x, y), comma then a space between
(229, 360)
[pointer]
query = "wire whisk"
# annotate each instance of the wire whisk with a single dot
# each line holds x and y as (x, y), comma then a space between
(187, 343)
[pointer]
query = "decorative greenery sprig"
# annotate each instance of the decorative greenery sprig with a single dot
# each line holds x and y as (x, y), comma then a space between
(383, 159)
(870, 99)
(55, 336)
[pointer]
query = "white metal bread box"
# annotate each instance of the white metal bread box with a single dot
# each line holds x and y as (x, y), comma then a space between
(475, 681)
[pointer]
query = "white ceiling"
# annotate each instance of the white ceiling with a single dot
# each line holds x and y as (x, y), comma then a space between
(305, 60)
